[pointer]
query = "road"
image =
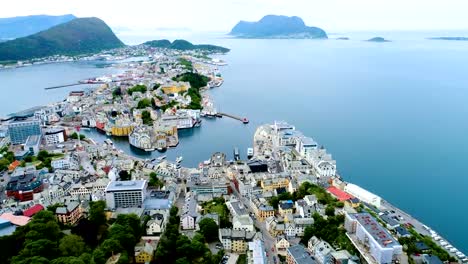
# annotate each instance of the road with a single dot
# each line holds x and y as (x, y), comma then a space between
(268, 240)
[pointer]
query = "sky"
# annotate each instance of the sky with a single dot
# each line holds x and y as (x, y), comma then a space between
(222, 15)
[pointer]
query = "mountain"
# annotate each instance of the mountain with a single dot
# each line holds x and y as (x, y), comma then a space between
(79, 36)
(450, 38)
(273, 26)
(181, 44)
(378, 39)
(16, 27)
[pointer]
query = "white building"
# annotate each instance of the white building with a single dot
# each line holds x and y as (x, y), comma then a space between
(243, 222)
(363, 194)
(123, 194)
(54, 136)
(365, 231)
(188, 218)
(156, 226)
(256, 254)
(323, 163)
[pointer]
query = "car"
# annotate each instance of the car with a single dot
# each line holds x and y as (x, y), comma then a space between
(219, 246)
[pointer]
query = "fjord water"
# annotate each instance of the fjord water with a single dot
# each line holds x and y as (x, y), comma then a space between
(394, 115)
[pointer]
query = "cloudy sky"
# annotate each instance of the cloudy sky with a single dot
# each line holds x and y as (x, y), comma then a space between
(222, 15)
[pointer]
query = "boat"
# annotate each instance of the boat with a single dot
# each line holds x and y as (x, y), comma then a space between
(108, 142)
(161, 149)
(245, 120)
(250, 153)
(179, 159)
(160, 158)
(236, 154)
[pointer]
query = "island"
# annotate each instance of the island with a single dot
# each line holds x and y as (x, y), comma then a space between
(274, 26)
(21, 26)
(78, 36)
(450, 38)
(181, 44)
(378, 39)
(342, 38)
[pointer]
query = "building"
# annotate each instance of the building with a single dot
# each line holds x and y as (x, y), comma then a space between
(321, 250)
(363, 195)
(274, 183)
(69, 214)
(261, 208)
(188, 218)
(54, 136)
(19, 131)
(156, 226)
(297, 254)
(235, 240)
(175, 88)
(125, 194)
(24, 183)
(243, 222)
(285, 207)
(371, 239)
(31, 211)
(256, 254)
(282, 243)
(144, 251)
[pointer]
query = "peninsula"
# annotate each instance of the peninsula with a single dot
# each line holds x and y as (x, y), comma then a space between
(181, 44)
(78, 36)
(450, 38)
(273, 26)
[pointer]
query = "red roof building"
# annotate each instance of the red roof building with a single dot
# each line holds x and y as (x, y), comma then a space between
(33, 210)
(339, 194)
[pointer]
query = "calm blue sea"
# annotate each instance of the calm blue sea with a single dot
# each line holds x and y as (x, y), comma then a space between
(394, 115)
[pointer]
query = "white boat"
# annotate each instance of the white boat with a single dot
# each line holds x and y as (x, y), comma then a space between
(250, 153)
(179, 159)
(108, 142)
(453, 250)
(160, 158)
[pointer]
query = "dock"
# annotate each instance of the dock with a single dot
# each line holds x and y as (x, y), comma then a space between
(242, 119)
(62, 86)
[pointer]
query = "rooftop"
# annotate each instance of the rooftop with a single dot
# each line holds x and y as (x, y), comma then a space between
(339, 194)
(118, 186)
(379, 233)
(33, 210)
(300, 255)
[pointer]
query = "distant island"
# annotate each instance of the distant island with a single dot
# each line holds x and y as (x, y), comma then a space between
(76, 37)
(16, 27)
(181, 44)
(273, 26)
(450, 38)
(342, 38)
(378, 39)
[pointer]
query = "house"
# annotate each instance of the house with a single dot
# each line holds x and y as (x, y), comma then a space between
(282, 243)
(402, 232)
(311, 199)
(342, 257)
(156, 226)
(321, 250)
(144, 251)
(290, 229)
(235, 240)
(69, 214)
(285, 207)
(303, 209)
(261, 208)
(422, 247)
(243, 222)
(301, 223)
(390, 222)
(297, 254)
(431, 259)
(189, 213)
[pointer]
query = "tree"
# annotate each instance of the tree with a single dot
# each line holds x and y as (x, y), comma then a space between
(146, 117)
(72, 245)
(96, 213)
(154, 180)
(143, 103)
(330, 210)
(124, 175)
(209, 229)
(68, 260)
(110, 247)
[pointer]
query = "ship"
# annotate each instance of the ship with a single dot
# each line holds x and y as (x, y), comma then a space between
(250, 153)
(236, 154)
(179, 159)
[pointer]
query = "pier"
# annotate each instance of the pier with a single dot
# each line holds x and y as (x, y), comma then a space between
(62, 86)
(242, 119)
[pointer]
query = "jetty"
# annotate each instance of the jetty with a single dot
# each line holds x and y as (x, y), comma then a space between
(242, 119)
(63, 86)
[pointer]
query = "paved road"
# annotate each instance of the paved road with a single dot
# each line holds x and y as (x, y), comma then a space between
(268, 240)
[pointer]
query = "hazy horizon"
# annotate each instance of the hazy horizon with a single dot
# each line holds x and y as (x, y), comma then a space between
(215, 16)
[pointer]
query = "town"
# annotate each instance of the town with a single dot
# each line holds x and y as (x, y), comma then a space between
(285, 203)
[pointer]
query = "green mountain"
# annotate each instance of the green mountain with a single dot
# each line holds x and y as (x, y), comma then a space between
(16, 27)
(378, 39)
(79, 36)
(181, 44)
(273, 26)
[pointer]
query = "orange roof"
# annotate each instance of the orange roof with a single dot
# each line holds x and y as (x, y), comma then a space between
(13, 165)
(19, 220)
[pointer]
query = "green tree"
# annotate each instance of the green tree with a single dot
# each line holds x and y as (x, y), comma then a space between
(143, 103)
(68, 260)
(97, 215)
(209, 229)
(146, 117)
(72, 245)
(330, 210)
